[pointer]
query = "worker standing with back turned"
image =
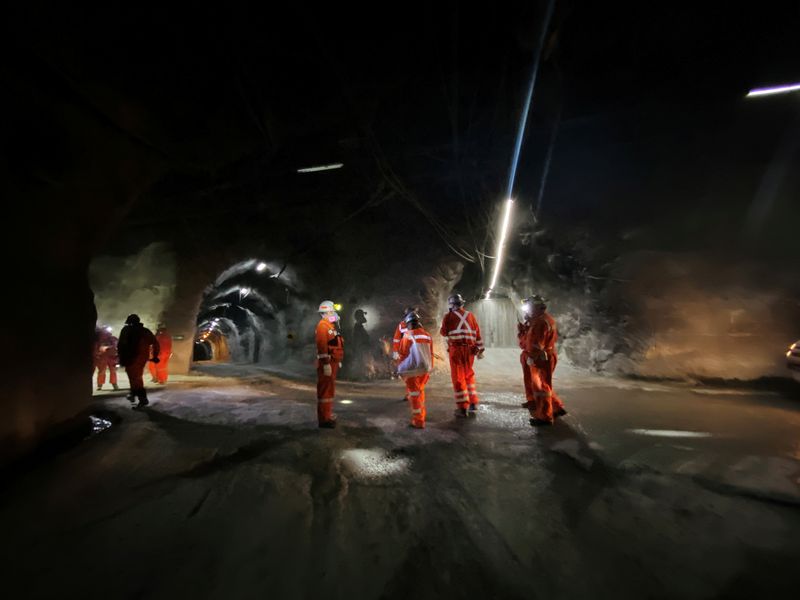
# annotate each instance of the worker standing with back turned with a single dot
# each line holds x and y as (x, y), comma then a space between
(464, 343)
(135, 347)
(416, 364)
(399, 331)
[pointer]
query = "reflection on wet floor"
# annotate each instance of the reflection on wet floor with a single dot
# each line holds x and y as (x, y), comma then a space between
(99, 424)
(670, 433)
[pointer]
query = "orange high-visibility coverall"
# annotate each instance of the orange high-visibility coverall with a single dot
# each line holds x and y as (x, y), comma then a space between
(330, 351)
(463, 335)
(160, 371)
(415, 384)
(537, 338)
(105, 357)
(399, 331)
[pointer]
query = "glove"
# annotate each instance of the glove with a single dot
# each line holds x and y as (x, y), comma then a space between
(326, 370)
(156, 360)
(480, 355)
(395, 356)
(529, 361)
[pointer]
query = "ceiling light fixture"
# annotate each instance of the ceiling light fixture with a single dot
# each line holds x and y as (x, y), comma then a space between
(778, 89)
(321, 168)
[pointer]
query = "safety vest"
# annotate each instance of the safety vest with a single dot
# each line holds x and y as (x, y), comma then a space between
(461, 329)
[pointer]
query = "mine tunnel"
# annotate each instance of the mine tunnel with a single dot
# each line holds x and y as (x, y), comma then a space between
(492, 302)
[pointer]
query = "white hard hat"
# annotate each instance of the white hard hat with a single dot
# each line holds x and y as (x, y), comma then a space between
(326, 306)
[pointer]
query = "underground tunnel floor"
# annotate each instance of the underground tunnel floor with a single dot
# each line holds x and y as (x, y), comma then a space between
(225, 488)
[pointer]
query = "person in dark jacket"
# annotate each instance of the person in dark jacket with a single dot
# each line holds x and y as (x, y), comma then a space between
(135, 347)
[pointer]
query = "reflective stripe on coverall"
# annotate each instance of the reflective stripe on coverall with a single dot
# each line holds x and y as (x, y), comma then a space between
(399, 332)
(537, 341)
(330, 351)
(463, 335)
(415, 384)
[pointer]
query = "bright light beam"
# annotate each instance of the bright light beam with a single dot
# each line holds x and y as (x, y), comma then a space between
(501, 244)
(518, 145)
(528, 97)
(321, 168)
(779, 89)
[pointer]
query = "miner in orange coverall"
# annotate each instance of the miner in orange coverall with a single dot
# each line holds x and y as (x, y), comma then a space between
(105, 357)
(330, 352)
(135, 347)
(160, 370)
(537, 338)
(399, 331)
(416, 364)
(464, 343)
(398, 336)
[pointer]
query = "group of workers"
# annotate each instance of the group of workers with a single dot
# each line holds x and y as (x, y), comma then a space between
(413, 357)
(136, 347)
(414, 360)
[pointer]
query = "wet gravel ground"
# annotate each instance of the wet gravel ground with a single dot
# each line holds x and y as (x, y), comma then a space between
(225, 488)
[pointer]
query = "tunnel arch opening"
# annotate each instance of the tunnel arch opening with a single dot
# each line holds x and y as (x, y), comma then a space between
(250, 314)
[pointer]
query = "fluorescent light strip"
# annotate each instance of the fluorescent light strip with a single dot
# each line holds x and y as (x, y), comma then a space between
(503, 232)
(321, 168)
(780, 89)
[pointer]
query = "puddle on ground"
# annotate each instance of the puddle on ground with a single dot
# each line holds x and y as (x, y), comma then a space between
(99, 425)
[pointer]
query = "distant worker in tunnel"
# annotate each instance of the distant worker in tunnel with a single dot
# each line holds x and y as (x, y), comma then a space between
(136, 345)
(330, 352)
(416, 364)
(537, 338)
(159, 371)
(464, 343)
(399, 331)
(359, 345)
(105, 357)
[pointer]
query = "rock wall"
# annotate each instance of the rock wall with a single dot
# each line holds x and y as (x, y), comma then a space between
(670, 314)
(143, 283)
(71, 178)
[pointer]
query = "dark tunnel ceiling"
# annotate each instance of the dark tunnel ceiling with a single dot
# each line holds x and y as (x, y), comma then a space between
(237, 99)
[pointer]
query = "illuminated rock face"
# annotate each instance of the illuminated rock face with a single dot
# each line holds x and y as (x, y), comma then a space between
(142, 283)
(670, 314)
